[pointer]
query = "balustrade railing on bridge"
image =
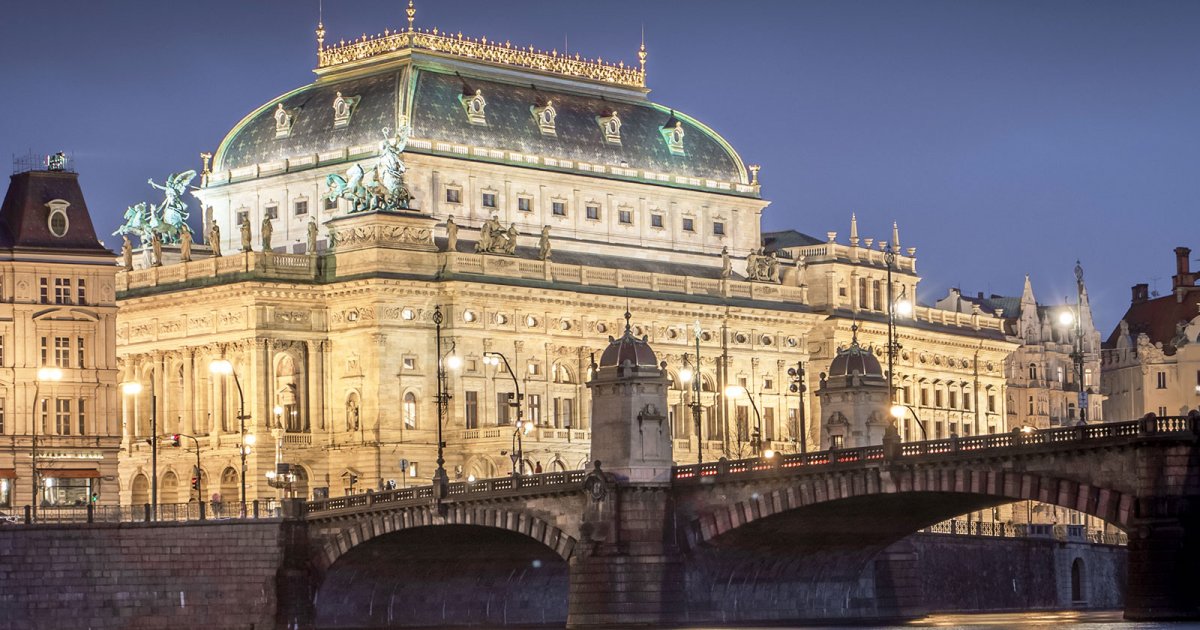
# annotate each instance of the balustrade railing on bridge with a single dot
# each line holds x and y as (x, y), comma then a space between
(1150, 426)
(1061, 533)
(166, 512)
(480, 489)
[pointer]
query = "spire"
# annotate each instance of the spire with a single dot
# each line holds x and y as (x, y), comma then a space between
(853, 230)
(1027, 292)
(412, 13)
(628, 316)
(642, 50)
(896, 237)
(320, 27)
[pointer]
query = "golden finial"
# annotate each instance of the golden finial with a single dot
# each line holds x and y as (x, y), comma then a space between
(754, 168)
(412, 13)
(320, 37)
(642, 50)
(206, 157)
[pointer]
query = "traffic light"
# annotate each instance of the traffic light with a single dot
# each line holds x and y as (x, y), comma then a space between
(196, 479)
(175, 440)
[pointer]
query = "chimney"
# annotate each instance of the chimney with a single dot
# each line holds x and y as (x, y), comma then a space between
(1141, 293)
(1183, 272)
(980, 295)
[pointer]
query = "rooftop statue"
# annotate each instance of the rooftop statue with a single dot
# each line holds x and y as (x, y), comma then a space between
(380, 188)
(168, 220)
(494, 239)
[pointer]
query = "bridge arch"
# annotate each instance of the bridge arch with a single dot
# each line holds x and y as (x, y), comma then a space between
(353, 531)
(921, 496)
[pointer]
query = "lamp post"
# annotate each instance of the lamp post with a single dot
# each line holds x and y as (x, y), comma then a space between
(696, 387)
(896, 306)
(798, 387)
(224, 368)
(688, 377)
(46, 374)
(518, 455)
(1077, 355)
(441, 480)
(898, 410)
(737, 391)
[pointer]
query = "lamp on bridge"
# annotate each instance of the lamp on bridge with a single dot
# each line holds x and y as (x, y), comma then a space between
(1067, 318)
(495, 359)
(898, 410)
(441, 480)
(896, 306)
(223, 367)
(688, 376)
(798, 387)
(756, 445)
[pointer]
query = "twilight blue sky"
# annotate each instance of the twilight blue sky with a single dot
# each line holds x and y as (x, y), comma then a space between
(1006, 137)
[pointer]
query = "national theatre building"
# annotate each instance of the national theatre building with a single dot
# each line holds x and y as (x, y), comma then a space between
(518, 202)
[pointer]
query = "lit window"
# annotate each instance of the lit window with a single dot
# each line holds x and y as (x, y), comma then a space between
(301, 208)
(62, 352)
(410, 411)
(79, 349)
(625, 216)
(524, 204)
(689, 225)
(593, 213)
(656, 220)
(559, 208)
(719, 228)
(62, 416)
(453, 195)
(489, 200)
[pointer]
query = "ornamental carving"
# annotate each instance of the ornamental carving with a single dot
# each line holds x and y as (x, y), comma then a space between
(352, 315)
(233, 318)
(292, 317)
(203, 321)
(141, 331)
(382, 235)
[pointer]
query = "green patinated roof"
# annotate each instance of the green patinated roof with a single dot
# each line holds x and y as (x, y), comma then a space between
(438, 115)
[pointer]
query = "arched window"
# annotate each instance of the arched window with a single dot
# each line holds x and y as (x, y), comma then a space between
(410, 411)
(169, 493)
(1077, 582)
(140, 490)
(229, 486)
(560, 373)
(1033, 371)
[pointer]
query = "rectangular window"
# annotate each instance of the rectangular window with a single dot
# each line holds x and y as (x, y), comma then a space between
(503, 407)
(593, 213)
(567, 410)
(524, 204)
(769, 423)
(79, 353)
(471, 409)
(453, 195)
(937, 430)
(62, 416)
(62, 290)
(62, 352)
(1070, 411)
(937, 398)
(44, 290)
(45, 348)
(625, 216)
(2, 363)
(535, 409)
(924, 397)
(2, 418)
(1087, 377)
(330, 204)
(243, 216)
(559, 208)
(300, 207)
(742, 416)
(718, 228)
(991, 403)
(768, 384)
(489, 200)
(689, 225)
(656, 220)
(836, 441)
(953, 399)
(409, 363)
(1031, 405)
(1162, 380)
(967, 401)
(82, 405)
(81, 291)
(271, 212)
(1162, 411)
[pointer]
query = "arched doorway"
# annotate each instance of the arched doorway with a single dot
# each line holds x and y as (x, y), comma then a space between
(300, 485)
(229, 486)
(168, 491)
(1078, 594)
(140, 490)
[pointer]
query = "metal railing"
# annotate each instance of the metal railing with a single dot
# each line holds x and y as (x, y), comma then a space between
(1061, 533)
(1145, 427)
(479, 489)
(166, 513)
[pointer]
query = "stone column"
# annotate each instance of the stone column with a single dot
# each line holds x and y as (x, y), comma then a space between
(315, 377)
(189, 395)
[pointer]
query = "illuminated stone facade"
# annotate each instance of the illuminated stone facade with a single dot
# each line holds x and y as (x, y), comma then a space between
(58, 376)
(648, 210)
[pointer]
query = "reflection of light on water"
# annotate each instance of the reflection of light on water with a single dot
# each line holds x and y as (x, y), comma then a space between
(1082, 620)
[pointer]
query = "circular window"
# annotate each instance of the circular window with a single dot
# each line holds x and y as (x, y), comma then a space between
(991, 367)
(637, 331)
(407, 314)
(767, 340)
(672, 333)
(501, 318)
(706, 336)
(937, 360)
(602, 327)
(530, 321)
(792, 342)
(565, 325)
(924, 359)
(58, 223)
(468, 316)
(740, 337)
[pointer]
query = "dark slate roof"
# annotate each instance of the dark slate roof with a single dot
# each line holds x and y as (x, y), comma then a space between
(989, 305)
(628, 349)
(855, 360)
(604, 261)
(1158, 318)
(774, 241)
(24, 217)
(437, 114)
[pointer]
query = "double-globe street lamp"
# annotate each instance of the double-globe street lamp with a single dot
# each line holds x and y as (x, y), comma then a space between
(222, 367)
(798, 387)
(1067, 318)
(441, 480)
(44, 375)
(756, 440)
(495, 359)
(896, 306)
(687, 376)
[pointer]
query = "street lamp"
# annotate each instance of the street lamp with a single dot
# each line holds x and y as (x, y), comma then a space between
(1066, 318)
(896, 306)
(282, 476)
(898, 410)
(695, 379)
(222, 367)
(737, 391)
(134, 388)
(798, 387)
(196, 477)
(49, 375)
(441, 480)
(494, 359)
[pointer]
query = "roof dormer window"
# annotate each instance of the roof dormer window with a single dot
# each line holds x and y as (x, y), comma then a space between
(343, 109)
(474, 106)
(283, 122)
(544, 117)
(57, 221)
(672, 133)
(611, 126)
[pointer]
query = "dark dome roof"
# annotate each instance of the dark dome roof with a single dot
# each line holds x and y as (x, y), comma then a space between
(855, 360)
(437, 117)
(628, 348)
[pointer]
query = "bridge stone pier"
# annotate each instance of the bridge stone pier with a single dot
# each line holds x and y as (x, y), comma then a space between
(801, 537)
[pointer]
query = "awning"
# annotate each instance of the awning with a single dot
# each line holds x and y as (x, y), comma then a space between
(8, 473)
(70, 473)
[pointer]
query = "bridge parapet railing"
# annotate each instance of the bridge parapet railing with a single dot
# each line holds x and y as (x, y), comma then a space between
(1181, 426)
(165, 513)
(1004, 529)
(480, 488)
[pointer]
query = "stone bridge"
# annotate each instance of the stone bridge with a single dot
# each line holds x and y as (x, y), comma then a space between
(788, 538)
